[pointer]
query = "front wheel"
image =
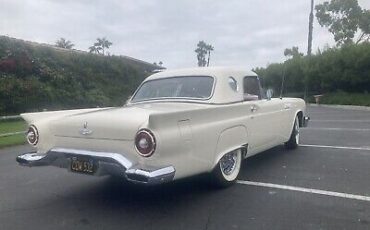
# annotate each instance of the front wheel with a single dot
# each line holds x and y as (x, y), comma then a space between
(293, 141)
(227, 169)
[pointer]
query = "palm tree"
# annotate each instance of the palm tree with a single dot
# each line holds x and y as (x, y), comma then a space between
(201, 51)
(64, 43)
(209, 48)
(103, 43)
(95, 49)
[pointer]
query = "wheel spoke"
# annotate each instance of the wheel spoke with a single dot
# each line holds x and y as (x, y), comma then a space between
(228, 163)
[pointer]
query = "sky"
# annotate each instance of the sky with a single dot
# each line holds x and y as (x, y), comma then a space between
(251, 33)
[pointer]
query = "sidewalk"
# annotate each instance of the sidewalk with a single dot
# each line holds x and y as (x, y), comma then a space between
(354, 107)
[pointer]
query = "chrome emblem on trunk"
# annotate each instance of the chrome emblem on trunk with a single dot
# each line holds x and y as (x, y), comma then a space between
(85, 130)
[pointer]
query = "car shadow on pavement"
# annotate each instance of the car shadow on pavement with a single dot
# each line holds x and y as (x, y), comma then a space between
(191, 202)
(266, 161)
(115, 191)
(110, 193)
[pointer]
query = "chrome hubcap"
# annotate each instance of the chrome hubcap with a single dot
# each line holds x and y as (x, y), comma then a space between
(228, 162)
(297, 132)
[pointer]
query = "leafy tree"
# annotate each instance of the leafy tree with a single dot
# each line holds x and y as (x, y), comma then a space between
(293, 52)
(202, 50)
(63, 43)
(343, 18)
(364, 25)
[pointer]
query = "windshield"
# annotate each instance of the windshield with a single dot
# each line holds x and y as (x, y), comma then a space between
(194, 87)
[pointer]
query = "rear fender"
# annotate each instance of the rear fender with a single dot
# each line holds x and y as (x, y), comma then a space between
(230, 139)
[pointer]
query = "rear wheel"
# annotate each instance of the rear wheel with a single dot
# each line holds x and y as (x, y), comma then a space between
(293, 141)
(227, 169)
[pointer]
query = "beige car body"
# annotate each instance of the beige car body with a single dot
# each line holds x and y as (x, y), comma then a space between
(191, 134)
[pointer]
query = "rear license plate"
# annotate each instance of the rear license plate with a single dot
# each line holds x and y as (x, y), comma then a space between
(82, 165)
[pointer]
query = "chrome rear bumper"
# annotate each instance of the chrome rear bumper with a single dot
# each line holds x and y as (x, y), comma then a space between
(107, 164)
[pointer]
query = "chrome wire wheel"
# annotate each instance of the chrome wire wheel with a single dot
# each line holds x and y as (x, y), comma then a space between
(230, 165)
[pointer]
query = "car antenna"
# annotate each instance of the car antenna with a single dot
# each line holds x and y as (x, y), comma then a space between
(282, 82)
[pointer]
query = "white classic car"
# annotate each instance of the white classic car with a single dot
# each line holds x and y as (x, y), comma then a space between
(177, 124)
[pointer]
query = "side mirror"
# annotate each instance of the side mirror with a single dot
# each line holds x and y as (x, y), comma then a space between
(269, 94)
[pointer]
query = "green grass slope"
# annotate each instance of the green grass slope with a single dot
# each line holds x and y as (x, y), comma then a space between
(37, 77)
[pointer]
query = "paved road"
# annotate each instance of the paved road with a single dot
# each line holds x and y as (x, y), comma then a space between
(52, 198)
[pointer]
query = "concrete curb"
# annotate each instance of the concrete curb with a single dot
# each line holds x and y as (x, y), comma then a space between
(352, 107)
(3, 118)
(11, 134)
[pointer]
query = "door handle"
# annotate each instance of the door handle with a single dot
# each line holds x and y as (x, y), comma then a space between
(253, 108)
(287, 106)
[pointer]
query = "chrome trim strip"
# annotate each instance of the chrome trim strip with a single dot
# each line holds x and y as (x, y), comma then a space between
(163, 98)
(94, 138)
(184, 101)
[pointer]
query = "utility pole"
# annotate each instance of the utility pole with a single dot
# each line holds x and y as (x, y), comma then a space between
(310, 29)
(309, 46)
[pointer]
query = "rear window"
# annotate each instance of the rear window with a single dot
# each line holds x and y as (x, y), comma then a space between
(192, 87)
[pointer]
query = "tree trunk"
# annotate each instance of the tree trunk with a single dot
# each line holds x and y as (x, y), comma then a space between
(209, 56)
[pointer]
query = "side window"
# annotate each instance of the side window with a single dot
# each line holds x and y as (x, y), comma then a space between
(252, 89)
(233, 84)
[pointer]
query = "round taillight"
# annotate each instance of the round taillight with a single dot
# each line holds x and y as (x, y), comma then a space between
(32, 135)
(145, 143)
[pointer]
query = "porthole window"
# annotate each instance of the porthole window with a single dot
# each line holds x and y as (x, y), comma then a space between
(233, 84)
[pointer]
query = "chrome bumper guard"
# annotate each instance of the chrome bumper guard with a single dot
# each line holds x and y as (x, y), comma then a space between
(108, 164)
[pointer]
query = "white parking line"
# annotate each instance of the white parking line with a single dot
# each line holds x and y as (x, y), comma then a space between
(336, 129)
(340, 120)
(336, 147)
(306, 190)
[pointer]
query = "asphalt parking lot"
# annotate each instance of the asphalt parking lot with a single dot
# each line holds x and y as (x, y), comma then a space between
(324, 184)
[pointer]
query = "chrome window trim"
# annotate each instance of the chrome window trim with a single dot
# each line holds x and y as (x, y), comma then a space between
(180, 98)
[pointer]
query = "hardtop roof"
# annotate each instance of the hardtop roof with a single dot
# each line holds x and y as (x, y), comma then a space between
(203, 71)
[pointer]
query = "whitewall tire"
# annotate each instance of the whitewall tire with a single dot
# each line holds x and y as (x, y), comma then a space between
(227, 169)
(293, 141)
